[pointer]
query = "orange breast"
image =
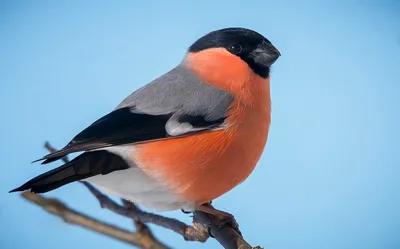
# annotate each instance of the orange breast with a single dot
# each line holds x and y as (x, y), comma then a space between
(202, 167)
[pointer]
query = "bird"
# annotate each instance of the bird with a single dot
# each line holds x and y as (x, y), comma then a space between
(184, 139)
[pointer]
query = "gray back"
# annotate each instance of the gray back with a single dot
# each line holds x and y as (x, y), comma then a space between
(180, 92)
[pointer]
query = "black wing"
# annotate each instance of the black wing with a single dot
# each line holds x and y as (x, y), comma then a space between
(126, 126)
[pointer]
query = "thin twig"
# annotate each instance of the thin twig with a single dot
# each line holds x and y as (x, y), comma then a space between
(141, 228)
(148, 238)
(73, 217)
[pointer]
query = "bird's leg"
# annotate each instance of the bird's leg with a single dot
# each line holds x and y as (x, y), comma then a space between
(222, 218)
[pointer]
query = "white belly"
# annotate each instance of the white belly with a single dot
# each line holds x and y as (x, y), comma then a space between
(134, 185)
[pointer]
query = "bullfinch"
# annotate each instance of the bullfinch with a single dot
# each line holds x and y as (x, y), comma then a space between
(185, 138)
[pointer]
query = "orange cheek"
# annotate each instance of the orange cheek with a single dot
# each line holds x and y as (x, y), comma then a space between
(218, 67)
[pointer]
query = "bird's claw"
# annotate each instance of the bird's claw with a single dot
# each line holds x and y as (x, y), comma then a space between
(220, 218)
(223, 221)
(186, 212)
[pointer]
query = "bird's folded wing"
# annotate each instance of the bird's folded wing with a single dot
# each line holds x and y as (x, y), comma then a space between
(126, 126)
(173, 105)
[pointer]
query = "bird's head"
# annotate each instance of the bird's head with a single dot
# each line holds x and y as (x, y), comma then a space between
(235, 48)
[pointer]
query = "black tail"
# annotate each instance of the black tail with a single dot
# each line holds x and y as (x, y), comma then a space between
(86, 165)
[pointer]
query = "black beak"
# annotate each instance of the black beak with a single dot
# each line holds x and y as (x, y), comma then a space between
(265, 54)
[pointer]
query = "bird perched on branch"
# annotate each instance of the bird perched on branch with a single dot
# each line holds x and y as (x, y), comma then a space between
(185, 138)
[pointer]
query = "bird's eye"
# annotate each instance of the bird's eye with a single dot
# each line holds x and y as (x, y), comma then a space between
(235, 48)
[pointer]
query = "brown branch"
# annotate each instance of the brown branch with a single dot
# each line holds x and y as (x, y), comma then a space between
(203, 224)
(149, 240)
(73, 217)
(140, 226)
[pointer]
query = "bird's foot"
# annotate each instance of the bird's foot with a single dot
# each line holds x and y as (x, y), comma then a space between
(221, 218)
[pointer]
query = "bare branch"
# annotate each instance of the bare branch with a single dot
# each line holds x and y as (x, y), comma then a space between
(141, 228)
(73, 217)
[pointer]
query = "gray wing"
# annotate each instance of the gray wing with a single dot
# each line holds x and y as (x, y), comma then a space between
(176, 104)
(180, 91)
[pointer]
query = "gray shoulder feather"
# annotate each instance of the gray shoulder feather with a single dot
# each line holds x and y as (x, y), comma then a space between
(180, 92)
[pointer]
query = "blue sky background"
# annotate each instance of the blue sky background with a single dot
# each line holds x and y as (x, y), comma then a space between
(329, 177)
